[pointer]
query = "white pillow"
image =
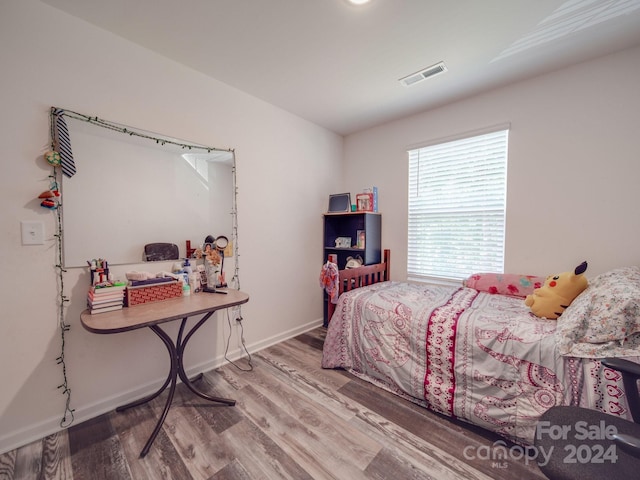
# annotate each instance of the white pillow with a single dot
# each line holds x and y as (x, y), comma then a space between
(604, 320)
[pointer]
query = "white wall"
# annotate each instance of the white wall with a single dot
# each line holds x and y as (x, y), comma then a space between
(573, 172)
(286, 170)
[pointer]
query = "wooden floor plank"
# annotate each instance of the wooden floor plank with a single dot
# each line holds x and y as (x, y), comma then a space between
(233, 471)
(309, 388)
(96, 452)
(371, 425)
(264, 458)
(309, 405)
(314, 338)
(387, 465)
(447, 434)
(8, 465)
(306, 363)
(28, 461)
(56, 457)
(292, 420)
(409, 449)
(298, 439)
(218, 416)
(198, 445)
(308, 435)
(134, 427)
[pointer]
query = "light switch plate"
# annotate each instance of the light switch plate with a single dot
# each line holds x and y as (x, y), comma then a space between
(32, 232)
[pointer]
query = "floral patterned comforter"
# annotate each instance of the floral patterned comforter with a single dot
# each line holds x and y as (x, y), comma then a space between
(468, 354)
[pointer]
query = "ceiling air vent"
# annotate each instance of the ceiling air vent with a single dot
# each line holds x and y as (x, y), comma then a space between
(423, 74)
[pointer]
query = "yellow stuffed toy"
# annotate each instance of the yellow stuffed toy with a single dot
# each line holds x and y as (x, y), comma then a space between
(557, 293)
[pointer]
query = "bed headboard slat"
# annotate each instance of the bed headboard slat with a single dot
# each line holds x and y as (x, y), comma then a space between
(353, 278)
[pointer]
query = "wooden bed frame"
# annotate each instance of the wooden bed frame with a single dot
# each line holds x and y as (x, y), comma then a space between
(352, 278)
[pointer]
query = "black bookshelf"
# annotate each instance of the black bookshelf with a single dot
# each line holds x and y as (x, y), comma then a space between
(350, 225)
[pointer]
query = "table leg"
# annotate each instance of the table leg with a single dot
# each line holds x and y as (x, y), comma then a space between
(173, 380)
(176, 352)
(181, 345)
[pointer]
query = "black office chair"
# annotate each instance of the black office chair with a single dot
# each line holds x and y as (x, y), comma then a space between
(580, 443)
(154, 252)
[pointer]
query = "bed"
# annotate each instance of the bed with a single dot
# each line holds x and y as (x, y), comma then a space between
(475, 352)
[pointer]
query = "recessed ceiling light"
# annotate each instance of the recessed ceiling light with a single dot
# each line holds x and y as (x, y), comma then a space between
(358, 2)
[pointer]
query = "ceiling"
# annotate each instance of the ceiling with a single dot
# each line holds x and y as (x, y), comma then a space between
(338, 65)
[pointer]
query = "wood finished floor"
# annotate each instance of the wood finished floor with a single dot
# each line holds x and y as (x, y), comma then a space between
(292, 420)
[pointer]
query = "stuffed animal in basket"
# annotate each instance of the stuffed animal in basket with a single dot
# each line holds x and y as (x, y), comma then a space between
(557, 293)
(354, 262)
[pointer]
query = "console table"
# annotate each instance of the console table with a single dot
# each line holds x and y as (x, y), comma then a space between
(152, 315)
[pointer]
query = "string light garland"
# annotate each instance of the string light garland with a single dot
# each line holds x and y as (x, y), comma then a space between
(136, 133)
(236, 281)
(62, 300)
(68, 416)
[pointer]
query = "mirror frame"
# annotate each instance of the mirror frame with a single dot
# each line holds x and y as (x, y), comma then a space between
(161, 141)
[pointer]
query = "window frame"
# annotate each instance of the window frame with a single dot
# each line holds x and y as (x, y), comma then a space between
(454, 275)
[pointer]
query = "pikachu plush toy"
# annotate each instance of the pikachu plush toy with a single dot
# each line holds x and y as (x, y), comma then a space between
(557, 293)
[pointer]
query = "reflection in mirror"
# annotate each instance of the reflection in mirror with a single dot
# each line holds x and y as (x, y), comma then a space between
(132, 190)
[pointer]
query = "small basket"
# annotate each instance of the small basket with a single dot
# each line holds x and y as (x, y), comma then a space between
(152, 293)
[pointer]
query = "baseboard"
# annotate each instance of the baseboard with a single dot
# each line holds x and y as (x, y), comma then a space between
(37, 431)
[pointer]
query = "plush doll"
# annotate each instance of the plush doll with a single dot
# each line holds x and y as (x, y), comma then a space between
(354, 262)
(557, 293)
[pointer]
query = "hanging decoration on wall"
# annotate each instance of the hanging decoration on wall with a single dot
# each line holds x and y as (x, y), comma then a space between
(51, 197)
(51, 200)
(63, 142)
(53, 158)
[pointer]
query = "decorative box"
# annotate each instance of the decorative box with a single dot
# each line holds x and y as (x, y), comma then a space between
(364, 202)
(152, 293)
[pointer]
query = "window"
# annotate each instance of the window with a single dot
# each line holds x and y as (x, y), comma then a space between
(457, 202)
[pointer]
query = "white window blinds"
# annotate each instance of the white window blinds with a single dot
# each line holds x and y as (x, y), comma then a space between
(457, 201)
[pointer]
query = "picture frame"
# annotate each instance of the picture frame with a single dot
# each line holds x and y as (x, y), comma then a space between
(339, 202)
(202, 273)
(360, 239)
(364, 202)
(343, 242)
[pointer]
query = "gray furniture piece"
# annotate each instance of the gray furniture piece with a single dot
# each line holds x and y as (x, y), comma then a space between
(581, 443)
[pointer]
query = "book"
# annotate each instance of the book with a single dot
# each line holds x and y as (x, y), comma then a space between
(106, 293)
(151, 281)
(107, 290)
(95, 290)
(105, 298)
(138, 285)
(375, 199)
(100, 300)
(93, 298)
(105, 303)
(94, 311)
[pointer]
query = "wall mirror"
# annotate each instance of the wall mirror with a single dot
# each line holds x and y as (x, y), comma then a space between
(134, 189)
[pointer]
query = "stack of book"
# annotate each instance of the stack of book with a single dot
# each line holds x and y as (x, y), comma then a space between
(105, 299)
